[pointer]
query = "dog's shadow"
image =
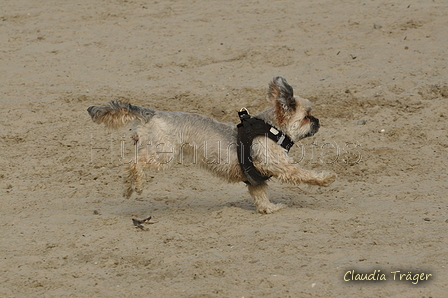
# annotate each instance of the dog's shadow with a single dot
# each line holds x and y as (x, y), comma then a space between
(244, 204)
(247, 204)
(147, 205)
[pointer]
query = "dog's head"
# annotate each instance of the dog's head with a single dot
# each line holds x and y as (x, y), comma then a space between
(292, 114)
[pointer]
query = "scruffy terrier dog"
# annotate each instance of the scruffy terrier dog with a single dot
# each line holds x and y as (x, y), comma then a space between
(161, 137)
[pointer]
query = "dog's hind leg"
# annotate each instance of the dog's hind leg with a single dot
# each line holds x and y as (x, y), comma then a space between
(128, 182)
(133, 180)
(259, 194)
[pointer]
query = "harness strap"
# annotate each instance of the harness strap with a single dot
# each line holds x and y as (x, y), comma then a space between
(248, 129)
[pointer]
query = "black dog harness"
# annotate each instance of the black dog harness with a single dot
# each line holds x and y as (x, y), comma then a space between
(248, 129)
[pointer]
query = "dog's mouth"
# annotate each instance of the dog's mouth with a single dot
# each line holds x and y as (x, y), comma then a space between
(314, 126)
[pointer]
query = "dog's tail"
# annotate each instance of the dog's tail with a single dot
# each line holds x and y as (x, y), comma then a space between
(117, 113)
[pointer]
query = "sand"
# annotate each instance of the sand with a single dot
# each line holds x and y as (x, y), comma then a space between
(376, 72)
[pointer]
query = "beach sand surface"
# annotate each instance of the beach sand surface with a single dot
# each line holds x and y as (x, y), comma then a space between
(376, 72)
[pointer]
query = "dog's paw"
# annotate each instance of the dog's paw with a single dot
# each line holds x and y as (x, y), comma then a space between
(270, 208)
(328, 178)
(127, 193)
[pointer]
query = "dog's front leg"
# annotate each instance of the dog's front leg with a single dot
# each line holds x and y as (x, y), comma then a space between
(293, 174)
(259, 194)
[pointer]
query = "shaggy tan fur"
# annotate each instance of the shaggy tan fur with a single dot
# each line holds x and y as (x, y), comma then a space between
(164, 138)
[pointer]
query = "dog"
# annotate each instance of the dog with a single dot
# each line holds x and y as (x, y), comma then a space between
(161, 137)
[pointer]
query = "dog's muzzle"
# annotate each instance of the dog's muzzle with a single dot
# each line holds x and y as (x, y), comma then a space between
(314, 126)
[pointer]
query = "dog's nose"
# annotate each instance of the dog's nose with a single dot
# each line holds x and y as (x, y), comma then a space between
(315, 121)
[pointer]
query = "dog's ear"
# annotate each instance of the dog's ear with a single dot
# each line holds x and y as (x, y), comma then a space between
(281, 92)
